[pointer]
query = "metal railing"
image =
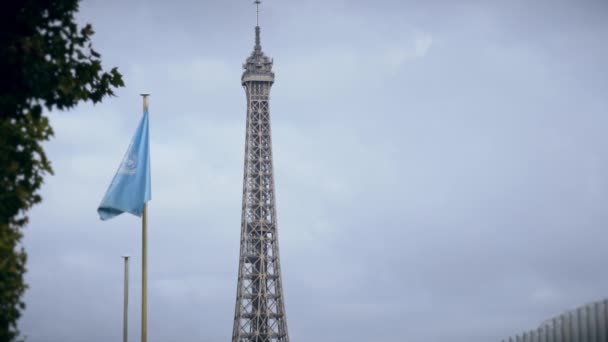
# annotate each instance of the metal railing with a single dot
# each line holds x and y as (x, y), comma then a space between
(588, 323)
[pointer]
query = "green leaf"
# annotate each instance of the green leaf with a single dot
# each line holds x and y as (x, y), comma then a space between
(48, 62)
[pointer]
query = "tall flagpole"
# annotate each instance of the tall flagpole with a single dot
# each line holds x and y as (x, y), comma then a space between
(125, 313)
(144, 261)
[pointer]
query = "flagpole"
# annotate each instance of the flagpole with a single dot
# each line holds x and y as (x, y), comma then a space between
(144, 261)
(144, 276)
(125, 313)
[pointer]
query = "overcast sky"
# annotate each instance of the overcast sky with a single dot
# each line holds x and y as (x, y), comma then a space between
(441, 170)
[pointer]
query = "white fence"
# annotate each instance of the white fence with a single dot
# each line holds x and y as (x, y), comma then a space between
(588, 323)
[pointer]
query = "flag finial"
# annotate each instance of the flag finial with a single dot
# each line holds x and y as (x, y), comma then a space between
(145, 97)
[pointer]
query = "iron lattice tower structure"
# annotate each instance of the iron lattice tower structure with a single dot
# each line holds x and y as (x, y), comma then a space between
(260, 310)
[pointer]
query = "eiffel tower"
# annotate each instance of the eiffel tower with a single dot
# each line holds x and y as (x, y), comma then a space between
(259, 315)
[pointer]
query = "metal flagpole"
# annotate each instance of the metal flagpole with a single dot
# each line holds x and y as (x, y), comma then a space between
(144, 276)
(125, 313)
(144, 263)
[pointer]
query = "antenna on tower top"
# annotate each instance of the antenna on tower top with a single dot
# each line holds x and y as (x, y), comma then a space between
(257, 12)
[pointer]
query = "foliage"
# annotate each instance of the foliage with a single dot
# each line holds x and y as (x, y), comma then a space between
(46, 62)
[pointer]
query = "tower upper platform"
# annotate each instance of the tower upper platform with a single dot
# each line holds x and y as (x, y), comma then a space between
(258, 66)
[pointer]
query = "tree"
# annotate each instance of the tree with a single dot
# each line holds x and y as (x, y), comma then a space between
(46, 62)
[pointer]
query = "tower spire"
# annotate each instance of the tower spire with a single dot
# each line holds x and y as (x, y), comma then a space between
(258, 44)
(258, 66)
(257, 12)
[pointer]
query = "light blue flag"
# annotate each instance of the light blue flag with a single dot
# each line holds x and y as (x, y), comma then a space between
(130, 188)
